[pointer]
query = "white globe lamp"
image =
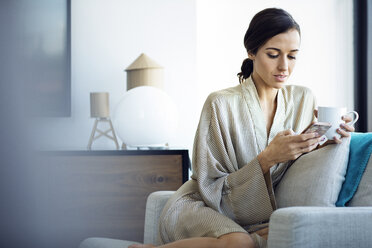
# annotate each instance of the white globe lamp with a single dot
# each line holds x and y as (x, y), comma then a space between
(146, 117)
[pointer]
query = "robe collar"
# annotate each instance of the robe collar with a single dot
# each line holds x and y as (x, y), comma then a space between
(259, 122)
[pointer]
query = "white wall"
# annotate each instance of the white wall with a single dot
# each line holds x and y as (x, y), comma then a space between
(200, 45)
(325, 61)
(107, 36)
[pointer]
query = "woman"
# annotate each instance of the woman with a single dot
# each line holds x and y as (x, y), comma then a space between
(240, 149)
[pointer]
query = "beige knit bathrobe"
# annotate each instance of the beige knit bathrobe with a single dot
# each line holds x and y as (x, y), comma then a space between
(228, 191)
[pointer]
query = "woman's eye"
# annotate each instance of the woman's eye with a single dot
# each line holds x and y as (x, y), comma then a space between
(291, 57)
(272, 56)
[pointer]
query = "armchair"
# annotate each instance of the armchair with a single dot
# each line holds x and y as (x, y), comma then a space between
(292, 227)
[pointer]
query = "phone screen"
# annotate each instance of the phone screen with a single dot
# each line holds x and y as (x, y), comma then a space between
(319, 127)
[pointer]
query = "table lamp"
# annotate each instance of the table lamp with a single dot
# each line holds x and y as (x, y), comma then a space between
(146, 117)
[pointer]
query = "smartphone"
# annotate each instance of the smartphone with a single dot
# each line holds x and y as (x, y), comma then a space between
(318, 127)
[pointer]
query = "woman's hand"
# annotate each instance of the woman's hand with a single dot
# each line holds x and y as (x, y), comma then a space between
(287, 146)
(344, 130)
(264, 233)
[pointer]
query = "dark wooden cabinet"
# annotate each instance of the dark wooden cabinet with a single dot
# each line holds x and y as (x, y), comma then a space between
(103, 193)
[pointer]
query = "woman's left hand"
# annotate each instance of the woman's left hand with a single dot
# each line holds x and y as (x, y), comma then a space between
(344, 129)
(264, 233)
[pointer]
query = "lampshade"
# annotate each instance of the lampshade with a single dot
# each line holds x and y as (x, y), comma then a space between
(144, 71)
(145, 117)
(99, 105)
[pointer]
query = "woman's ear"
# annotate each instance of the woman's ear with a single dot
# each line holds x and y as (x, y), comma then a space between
(251, 56)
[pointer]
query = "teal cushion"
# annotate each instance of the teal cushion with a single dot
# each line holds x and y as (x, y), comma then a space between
(360, 152)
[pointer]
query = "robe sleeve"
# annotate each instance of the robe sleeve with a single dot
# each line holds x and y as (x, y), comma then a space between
(241, 194)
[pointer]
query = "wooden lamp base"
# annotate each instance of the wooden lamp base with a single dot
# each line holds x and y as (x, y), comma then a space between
(95, 130)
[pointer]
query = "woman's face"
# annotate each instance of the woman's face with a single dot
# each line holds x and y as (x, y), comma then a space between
(274, 61)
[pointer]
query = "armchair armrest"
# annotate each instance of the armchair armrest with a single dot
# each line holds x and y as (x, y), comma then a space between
(330, 227)
(154, 206)
(105, 243)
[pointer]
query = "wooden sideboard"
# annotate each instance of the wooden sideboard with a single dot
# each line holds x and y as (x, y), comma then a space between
(102, 193)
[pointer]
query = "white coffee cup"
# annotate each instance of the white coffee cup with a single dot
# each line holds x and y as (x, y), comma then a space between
(333, 115)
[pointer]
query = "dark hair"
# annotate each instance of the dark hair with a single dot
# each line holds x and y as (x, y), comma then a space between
(264, 25)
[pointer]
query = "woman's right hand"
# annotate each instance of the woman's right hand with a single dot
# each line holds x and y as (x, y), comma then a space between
(287, 146)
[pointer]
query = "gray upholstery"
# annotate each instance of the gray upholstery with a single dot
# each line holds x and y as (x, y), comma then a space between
(154, 206)
(292, 227)
(363, 195)
(308, 227)
(105, 243)
(314, 179)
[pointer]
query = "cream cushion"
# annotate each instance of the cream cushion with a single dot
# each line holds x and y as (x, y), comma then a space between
(314, 179)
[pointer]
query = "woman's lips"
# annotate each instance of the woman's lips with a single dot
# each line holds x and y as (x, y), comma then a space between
(280, 78)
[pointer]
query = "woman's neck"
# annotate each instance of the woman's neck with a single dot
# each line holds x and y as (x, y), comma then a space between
(266, 94)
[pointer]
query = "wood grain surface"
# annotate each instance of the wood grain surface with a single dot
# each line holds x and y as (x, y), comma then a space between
(101, 196)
